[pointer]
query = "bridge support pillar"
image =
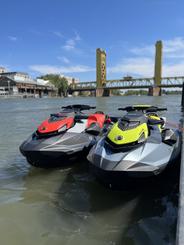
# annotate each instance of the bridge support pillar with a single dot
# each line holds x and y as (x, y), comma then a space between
(75, 94)
(49, 93)
(102, 92)
(93, 93)
(154, 91)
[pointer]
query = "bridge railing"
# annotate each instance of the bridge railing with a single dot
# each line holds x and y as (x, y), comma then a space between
(172, 81)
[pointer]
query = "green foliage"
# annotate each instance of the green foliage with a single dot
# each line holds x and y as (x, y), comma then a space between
(115, 92)
(168, 92)
(59, 82)
(136, 92)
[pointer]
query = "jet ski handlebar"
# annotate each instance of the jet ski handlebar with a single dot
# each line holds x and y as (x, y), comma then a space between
(142, 108)
(78, 107)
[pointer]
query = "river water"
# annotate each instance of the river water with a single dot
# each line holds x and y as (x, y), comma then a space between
(68, 206)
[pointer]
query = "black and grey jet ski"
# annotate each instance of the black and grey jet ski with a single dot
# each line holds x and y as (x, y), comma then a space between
(137, 146)
(64, 136)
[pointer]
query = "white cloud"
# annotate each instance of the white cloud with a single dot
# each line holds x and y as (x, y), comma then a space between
(45, 69)
(173, 48)
(145, 50)
(58, 34)
(174, 44)
(63, 59)
(135, 66)
(143, 64)
(77, 36)
(12, 38)
(71, 43)
(144, 67)
(173, 70)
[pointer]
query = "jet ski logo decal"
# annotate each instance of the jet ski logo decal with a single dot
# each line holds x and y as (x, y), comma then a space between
(119, 137)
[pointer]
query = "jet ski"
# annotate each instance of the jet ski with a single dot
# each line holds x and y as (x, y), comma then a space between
(64, 136)
(138, 146)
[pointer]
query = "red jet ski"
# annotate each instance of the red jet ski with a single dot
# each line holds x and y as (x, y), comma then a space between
(64, 136)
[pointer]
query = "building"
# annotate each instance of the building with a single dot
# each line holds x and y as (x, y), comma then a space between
(21, 83)
(18, 77)
(71, 80)
(2, 70)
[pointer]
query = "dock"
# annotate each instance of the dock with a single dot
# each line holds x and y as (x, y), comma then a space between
(180, 221)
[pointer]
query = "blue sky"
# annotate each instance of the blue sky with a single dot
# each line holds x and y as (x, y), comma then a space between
(61, 36)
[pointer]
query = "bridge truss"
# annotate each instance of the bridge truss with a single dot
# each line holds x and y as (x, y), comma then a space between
(131, 83)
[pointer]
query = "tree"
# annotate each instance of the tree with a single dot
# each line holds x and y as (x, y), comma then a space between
(62, 85)
(59, 82)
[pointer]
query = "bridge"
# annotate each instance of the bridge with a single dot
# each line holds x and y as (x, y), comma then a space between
(134, 83)
(103, 87)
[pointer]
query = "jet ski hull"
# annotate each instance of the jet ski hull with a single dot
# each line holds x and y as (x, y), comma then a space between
(57, 151)
(137, 165)
(125, 181)
(48, 159)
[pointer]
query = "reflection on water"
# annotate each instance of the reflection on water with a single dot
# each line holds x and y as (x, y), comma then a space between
(68, 206)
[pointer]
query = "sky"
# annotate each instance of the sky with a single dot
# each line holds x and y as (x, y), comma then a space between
(61, 36)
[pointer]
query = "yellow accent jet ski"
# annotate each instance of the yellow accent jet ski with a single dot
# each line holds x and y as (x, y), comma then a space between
(137, 146)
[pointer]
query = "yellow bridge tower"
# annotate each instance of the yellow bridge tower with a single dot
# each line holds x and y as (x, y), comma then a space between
(156, 90)
(101, 73)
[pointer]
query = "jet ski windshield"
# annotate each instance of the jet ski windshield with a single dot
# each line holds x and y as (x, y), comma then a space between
(125, 125)
(57, 117)
(131, 120)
